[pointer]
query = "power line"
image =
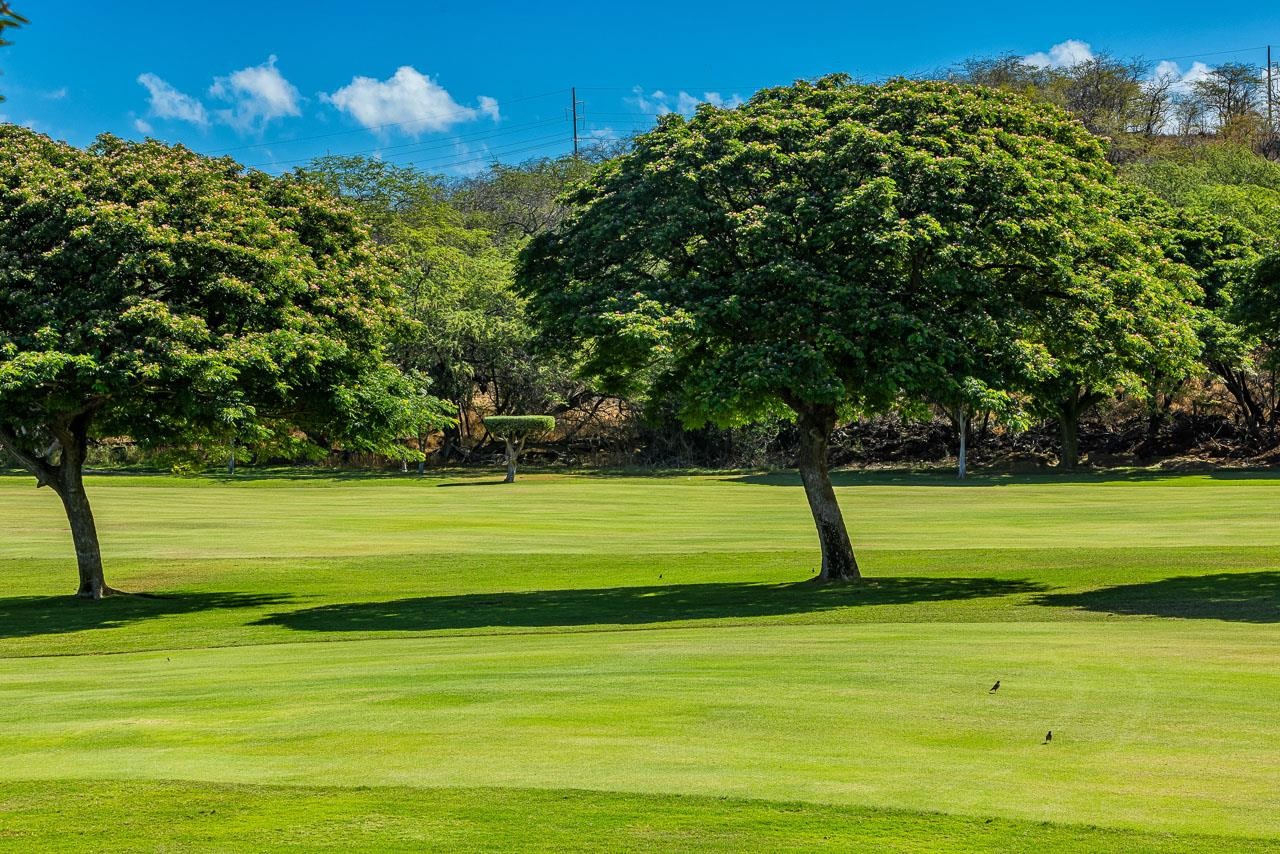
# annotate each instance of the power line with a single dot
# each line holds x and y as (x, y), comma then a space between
(541, 141)
(431, 145)
(373, 128)
(509, 148)
(1213, 53)
(488, 156)
(576, 116)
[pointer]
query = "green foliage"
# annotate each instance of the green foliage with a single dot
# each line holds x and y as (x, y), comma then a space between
(1222, 179)
(150, 292)
(516, 426)
(518, 202)
(1129, 316)
(467, 329)
(830, 244)
(1258, 305)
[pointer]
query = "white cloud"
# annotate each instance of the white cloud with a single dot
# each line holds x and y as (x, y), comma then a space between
(57, 94)
(660, 103)
(410, 99)
(143, 126)
(655, 102)
(167, 102)
(488, 107)
(716, 100)
(258, 93)
(1062, 55)
(686, 103)
(1181, 80)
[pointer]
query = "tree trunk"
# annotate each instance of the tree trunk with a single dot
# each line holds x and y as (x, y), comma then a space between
(838, 562)
(84, 534)
(69, 484)
(1069, 424)
(962, 462)
(1237, 383)
(67, 480)
(513, 453)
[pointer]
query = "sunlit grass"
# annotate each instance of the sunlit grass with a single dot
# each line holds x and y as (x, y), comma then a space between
(655, 636)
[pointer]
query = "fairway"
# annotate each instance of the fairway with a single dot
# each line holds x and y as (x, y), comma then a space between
(403, 663)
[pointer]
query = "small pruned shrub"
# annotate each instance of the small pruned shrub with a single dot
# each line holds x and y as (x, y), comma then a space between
(514, 430)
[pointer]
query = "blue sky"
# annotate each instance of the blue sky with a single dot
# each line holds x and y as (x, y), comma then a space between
(450, 86)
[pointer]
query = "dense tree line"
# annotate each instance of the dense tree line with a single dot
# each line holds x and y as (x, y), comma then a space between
(1216, 202)
(1047, 247)
(1137, 107)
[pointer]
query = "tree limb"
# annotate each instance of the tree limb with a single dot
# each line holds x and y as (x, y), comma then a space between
(45, 474)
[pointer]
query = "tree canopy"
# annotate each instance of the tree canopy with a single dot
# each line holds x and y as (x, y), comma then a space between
(831, 247)
(150, 292)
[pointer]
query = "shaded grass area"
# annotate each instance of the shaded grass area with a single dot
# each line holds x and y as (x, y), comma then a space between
(24, 616)
(1249, 597)
(227, 602)
(634, 605)
(185, 816)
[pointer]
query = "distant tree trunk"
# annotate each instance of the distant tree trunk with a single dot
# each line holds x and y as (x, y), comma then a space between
(513, 454)
(231, 461)
(1237, 384)
(962, 425)
(1069, 425)
(838, 562)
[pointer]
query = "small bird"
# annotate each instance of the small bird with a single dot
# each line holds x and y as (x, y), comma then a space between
(1048, 736)
(995, 687)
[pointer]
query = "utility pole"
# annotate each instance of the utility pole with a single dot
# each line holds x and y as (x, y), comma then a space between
(1271, 128)
(574, 103)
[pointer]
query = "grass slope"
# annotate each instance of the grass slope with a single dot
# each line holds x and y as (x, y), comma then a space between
(181, 816)
(651, 640)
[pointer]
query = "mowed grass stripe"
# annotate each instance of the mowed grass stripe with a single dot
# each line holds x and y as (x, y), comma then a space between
(177, 519)
(656, 636)
(183, 816)
(888, 716)
(240, 601)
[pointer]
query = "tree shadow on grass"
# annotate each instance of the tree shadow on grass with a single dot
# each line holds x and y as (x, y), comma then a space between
(24, 616)
(1243, 597)
(633, 605)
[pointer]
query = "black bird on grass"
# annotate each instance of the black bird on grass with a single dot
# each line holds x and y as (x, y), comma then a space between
(995, 687)
(1048, 736)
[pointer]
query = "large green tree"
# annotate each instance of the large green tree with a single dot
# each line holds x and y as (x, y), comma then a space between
(1223, 214)
(453, 261)
(150, 292)
(1127, 319)
(823, 249)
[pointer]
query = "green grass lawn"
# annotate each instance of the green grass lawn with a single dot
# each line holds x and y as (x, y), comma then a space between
(610, 662)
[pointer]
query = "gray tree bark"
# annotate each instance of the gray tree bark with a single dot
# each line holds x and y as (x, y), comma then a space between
(66, 479)
(514, 447)
(838, 562)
